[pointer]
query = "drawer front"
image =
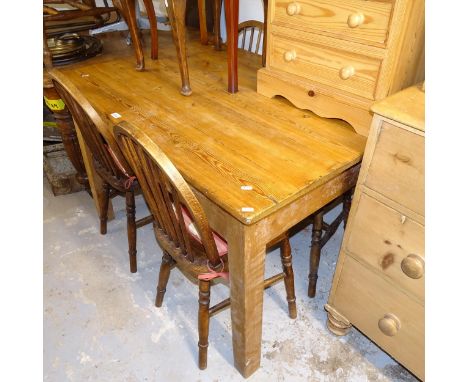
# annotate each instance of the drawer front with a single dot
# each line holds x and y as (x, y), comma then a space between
(389, 242)
(352, 20)
(383, 313)
(397, 167)
(340, 69)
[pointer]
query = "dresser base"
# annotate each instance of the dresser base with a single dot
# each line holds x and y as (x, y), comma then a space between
(327, 103)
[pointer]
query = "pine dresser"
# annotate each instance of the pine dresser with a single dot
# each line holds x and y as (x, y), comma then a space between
(378, 284)
(337, 57)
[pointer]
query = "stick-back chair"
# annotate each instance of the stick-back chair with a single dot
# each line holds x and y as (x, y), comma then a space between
(323, 232)
(182, 230)
(109, 164)
(217, 29)
(247, 31)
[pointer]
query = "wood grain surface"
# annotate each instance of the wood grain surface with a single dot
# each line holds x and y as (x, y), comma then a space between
(257, 165)
(250, 140)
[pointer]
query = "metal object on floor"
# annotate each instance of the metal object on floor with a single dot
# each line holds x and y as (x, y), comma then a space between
(71, 47)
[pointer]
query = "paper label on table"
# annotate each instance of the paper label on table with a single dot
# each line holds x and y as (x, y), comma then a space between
(246, 188)
(116, 115)
(247, 209)
(54, 104)
(85, 75)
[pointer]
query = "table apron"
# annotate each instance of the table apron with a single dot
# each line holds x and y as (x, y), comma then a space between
(280, 220)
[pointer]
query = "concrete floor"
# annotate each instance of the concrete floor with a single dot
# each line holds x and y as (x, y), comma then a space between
(100, 323)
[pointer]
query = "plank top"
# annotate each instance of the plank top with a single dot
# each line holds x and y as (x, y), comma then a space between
(220, 142)
(406, 107)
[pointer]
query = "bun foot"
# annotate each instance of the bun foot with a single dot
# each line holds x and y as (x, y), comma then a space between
(336, 323)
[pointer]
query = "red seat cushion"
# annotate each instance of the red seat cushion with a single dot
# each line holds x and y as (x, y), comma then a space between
(221, 244)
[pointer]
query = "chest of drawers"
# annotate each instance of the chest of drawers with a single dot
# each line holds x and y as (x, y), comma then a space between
(337, 57)
(378, 284)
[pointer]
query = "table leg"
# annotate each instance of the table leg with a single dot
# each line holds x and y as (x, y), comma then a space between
(246, 268)
(95, 182)
(176, 13)
(232, 29)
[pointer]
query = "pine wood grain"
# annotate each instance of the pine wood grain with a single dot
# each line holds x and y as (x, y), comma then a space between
(249, 140)
(407, 106)
(378, 284)
(295, 161)
(384, 52)
(324, 64)
(361, 290)
(382, 239)
(329, 17)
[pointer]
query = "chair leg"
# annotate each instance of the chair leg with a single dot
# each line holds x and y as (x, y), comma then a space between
(131, 229)
(153, 27)
(347, 197)
(176, 13)
(128, 12)
(286, 260)
(315, 251)
(217, 24)
(202, 22)
(203, 322)
(103, 213)
(164, 273)
(231, 8)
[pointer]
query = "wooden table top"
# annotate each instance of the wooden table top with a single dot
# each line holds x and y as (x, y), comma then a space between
(219, 141)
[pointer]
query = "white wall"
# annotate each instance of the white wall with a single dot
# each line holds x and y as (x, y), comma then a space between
(248, 10)
(159, 6)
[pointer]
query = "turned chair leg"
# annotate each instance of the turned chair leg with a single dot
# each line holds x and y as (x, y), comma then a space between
(153, 27)
(164, 273)
(203, 322)
(347, 197)
(103, 213)
(315, 252)
(286, 261)
(131, 229)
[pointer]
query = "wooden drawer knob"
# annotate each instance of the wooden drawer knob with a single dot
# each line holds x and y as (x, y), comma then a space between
(290, 55)
(413, 266)
(355, 19)
(389, 324)
(293, 8)
(347, 72)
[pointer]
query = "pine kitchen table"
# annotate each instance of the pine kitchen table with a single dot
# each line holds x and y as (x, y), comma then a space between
(292, 161)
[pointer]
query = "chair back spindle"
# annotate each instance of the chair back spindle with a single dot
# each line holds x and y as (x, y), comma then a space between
(247, 30)
(168, 197)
